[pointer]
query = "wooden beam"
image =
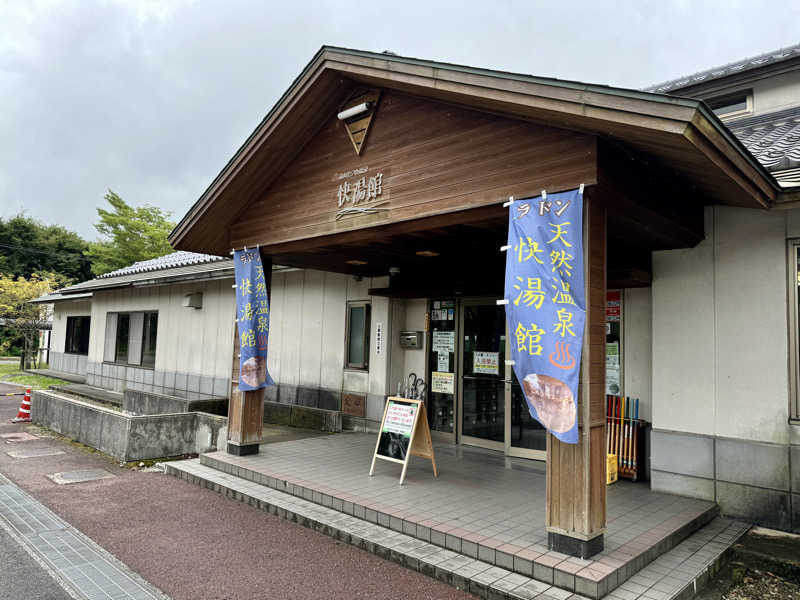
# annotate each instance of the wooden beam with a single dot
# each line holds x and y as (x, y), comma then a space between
(576, 473)
(246, 409)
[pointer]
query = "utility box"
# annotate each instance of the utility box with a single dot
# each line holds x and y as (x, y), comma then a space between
(411, 340)
(193, 300)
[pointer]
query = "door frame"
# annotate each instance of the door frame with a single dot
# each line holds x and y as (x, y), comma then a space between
(461, 438)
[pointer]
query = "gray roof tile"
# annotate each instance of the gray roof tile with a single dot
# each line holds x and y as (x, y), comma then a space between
(773, 138)
(738, 66)
(168, 261)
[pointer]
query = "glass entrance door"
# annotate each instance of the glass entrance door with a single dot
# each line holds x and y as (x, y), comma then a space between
(483, 382)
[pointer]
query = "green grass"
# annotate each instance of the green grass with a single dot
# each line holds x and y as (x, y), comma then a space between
(12, 374)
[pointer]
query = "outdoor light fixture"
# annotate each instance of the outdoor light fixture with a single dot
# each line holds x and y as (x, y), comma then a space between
(427, 253)
(354, 110)
(356, 262)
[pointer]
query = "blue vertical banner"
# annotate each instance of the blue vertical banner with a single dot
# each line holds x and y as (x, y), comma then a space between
(252, 317)
(546, 308)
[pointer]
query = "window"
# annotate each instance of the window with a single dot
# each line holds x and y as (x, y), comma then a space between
(357, 348)
(794, 324)
(77, 335)
(731, 104)
(131, 338)
(123, 338)
(149, 339)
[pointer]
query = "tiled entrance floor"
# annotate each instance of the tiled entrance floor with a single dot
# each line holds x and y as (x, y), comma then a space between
(482, 505)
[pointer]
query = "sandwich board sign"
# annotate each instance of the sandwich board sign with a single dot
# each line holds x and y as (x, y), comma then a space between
(404, 432)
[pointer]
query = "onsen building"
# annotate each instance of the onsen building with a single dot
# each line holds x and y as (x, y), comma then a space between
(378, 182)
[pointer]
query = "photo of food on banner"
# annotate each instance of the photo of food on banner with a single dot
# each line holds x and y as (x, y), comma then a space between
(252, 320)
(546, 309)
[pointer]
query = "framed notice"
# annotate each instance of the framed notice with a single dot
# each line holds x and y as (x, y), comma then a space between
(404, 432)
(487, 363)
(442, 383)
(444, 342)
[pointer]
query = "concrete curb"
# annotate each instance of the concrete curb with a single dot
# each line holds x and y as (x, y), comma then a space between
(458, 570)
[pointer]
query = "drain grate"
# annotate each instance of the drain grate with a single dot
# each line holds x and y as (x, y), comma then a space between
(19, 436)
(34, 453)
(67, 477)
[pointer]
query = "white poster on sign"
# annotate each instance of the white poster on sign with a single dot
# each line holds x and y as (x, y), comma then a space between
(400, 418)
(444, 341)
(442, 383)
(487, 363)
(443, 361)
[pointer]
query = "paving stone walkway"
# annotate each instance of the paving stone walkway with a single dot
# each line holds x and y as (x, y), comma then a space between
(81, 566)
(675, 574)
(483, 505)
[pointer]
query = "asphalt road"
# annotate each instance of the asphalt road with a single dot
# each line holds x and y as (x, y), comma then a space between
(194, 544)
(21, 577)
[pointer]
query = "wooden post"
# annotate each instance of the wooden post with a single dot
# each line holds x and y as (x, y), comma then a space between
(576, 473)
(246, 409)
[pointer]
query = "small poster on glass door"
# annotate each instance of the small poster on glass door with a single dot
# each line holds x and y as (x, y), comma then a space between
(486, 363)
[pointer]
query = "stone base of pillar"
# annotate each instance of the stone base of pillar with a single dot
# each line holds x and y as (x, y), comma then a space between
(565, 544)
(242, 450)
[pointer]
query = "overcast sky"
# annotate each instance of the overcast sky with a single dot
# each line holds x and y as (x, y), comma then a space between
(151, 99)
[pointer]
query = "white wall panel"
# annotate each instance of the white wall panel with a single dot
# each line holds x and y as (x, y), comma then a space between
(683, 337)
(751, 325)
(637, 346)
(310, 329)
(334, 309)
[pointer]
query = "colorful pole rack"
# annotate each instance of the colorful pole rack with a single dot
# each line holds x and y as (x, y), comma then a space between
(625, 435)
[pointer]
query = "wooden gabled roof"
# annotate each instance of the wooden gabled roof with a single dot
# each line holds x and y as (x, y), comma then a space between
(683, 135)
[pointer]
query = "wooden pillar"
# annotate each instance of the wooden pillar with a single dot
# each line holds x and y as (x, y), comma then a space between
(246, 409)
(576, 473)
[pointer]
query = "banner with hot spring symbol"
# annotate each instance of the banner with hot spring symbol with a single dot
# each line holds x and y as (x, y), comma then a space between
(252, 318)
(546, 308)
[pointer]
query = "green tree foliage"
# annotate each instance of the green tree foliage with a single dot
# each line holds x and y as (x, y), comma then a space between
(22, 320)
(28, 246)
(131, 234)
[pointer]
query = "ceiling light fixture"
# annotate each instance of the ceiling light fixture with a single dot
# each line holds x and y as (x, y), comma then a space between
(427, 253)
(356, 262)
(354, 110)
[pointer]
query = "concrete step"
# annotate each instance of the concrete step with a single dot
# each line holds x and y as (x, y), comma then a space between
(592, 578)
(91, 393)
(677, 573)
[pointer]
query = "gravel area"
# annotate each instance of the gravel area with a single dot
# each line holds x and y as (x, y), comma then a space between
(762, 585)
(195, 544)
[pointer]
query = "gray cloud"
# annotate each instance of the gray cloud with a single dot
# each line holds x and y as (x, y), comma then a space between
(151, 99)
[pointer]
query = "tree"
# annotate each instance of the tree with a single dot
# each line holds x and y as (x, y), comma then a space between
(18, 316)
(28, 246)
(132, 234)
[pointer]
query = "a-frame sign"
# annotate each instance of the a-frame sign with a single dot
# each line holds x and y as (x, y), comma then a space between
(404, 432)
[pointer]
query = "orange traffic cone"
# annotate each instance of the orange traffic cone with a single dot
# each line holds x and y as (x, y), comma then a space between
(24, 414)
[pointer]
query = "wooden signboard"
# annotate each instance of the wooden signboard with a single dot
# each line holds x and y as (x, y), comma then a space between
(404, 433)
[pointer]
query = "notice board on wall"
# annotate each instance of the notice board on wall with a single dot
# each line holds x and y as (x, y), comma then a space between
(404, 432)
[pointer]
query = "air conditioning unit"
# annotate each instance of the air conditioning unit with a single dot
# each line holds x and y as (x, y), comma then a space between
(193, 300)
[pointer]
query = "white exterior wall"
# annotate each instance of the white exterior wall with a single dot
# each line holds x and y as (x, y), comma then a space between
(637, 342)
(776, 92)
(720, 347)
(188, 340)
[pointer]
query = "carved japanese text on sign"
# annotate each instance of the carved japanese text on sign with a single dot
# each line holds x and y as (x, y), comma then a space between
(361, 195)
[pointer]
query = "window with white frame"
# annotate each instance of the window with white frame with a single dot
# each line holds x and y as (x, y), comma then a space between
(357, 343)
(77, 338)
(731, 105)
(131, 338)
(794, 325)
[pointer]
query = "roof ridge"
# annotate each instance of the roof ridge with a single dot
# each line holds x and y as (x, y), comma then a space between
(179, 258)
(717, 72)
